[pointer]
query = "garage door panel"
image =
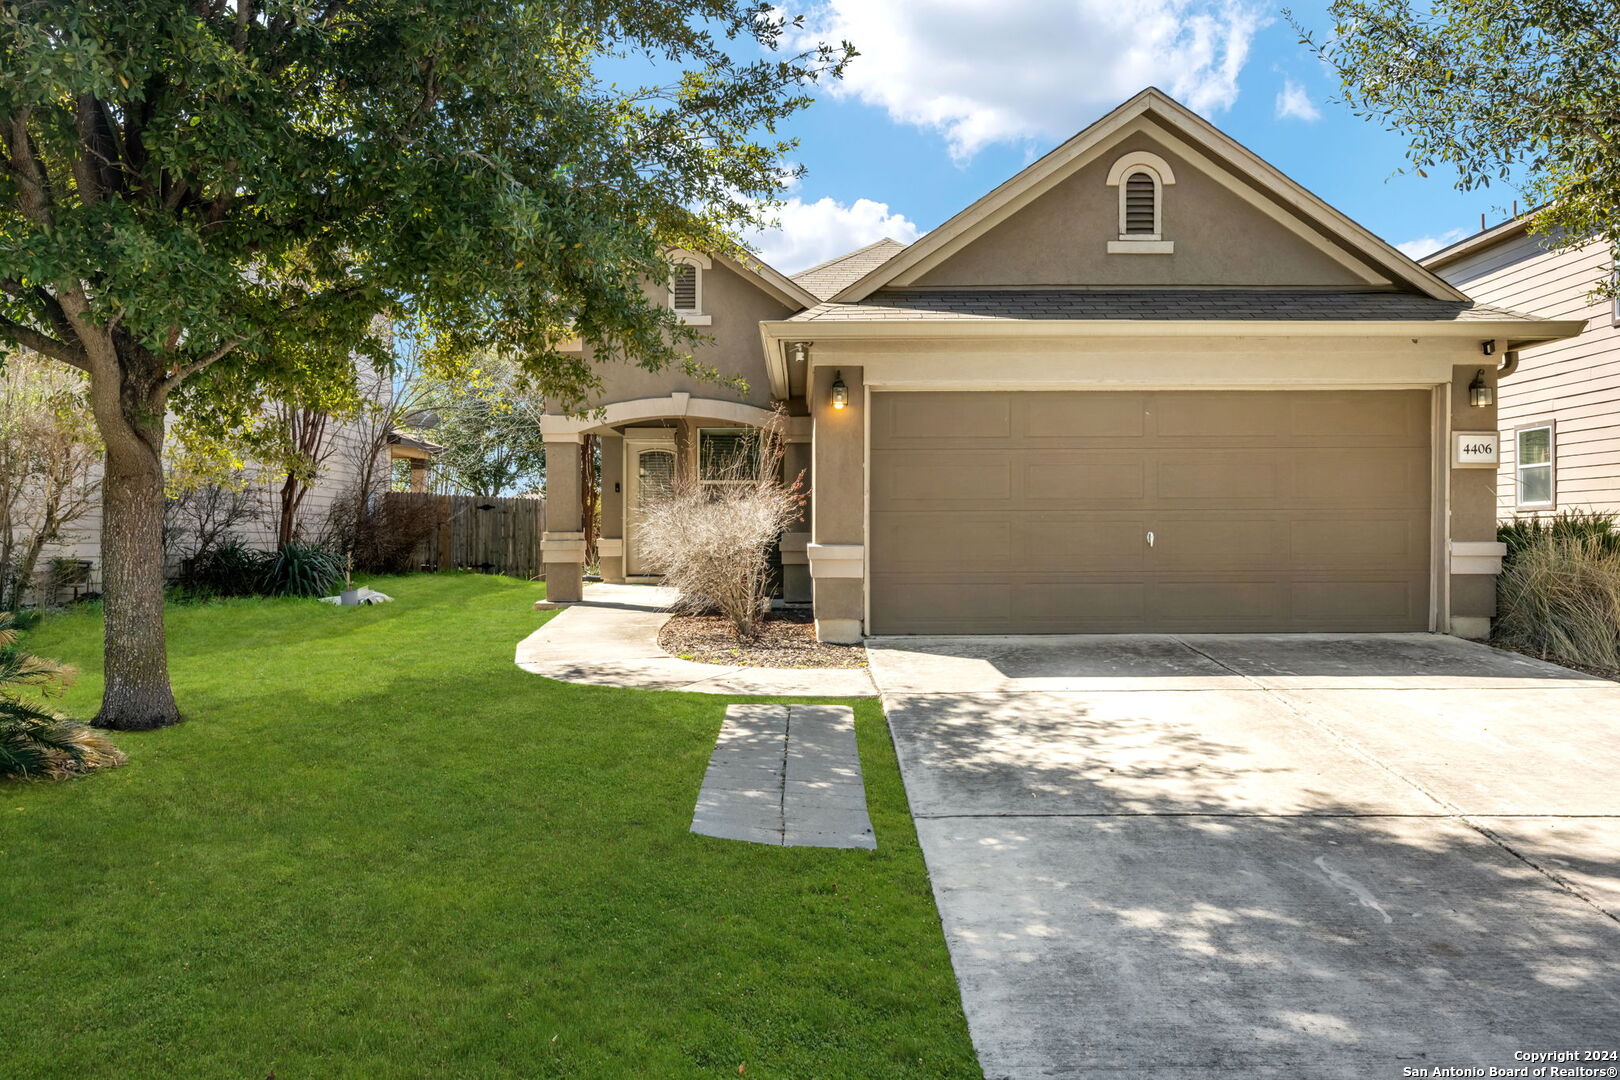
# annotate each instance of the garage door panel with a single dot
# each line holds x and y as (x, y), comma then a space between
(1369, 478)
(924, 479)
(1326, 543)
(1271, 511)
(1067, 543)
(1223, 478)
(921, 417)
(1235, 417)
(1395, 416)
(1084, 481)
(935, 542)
(1110, 415)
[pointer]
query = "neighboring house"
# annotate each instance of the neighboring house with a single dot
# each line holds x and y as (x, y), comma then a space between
(1559, 408)
(1148, 384)
(348, 445)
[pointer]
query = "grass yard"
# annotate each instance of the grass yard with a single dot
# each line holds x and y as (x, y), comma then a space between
(378, 849)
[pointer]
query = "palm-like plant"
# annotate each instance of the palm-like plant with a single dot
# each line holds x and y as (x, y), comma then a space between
(35, 743)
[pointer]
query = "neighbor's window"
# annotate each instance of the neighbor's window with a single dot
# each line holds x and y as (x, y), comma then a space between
(685, 290)
(1139, 210)
(728, 455)
(1534, 462)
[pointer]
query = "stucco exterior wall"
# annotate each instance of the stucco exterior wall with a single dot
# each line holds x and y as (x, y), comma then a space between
(1061, 238)
(735, 307)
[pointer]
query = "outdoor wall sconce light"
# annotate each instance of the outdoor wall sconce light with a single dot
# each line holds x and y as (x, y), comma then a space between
(1480, 395)
(840, 392)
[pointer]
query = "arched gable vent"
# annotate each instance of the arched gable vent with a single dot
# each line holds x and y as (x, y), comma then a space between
(1141, 178)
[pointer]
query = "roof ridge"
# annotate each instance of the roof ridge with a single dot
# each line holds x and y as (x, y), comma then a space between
(836, 259)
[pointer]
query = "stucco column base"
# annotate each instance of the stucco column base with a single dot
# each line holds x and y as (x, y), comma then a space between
(838, 610)
(796, 587)
(612, 568)
(1472, 627)
(565, 584)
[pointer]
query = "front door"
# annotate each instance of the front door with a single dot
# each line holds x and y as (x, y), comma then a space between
(652, 474)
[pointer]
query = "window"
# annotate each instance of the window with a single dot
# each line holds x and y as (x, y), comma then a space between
(728, 455)
(1141, 209)
(1533, 463)
(1141, 178)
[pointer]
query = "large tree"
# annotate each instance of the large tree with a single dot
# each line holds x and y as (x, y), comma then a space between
(205, 202)
(1524, 92)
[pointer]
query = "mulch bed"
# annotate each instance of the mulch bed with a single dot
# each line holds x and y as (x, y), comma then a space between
(787, 639)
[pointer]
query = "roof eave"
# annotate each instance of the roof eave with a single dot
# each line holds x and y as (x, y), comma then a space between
(1516, 333)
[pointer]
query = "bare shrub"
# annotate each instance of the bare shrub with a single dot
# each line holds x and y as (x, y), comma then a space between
(380, 534)
(711, 535)
(1559, 598)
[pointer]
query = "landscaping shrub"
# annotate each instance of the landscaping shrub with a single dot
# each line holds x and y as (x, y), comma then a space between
(1559, 597)
(35, 743)
(298, 569)
(712, 541)
(229, 568)
(1595, 525)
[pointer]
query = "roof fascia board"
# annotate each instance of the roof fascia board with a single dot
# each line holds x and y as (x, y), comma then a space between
(772, 281)
(1518, 333)
(1468, 245)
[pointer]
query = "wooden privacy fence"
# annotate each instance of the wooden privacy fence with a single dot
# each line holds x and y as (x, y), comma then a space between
(471, 532)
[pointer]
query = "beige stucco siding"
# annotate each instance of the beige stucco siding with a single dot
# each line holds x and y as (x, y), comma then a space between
(735, 307)
(1061, 238)
(1575, 383)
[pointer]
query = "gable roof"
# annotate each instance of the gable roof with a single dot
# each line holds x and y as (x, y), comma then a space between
(1468, 245)
(771, 280)
(827, 278)
(1195, 138)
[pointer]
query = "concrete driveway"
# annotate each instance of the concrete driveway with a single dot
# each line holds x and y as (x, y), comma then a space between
(1302, 856)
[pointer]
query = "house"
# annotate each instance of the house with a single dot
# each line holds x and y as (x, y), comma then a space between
(1560, 410)
(1148, 384)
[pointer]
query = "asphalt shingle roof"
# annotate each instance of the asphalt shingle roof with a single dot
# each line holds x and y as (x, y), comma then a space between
(831, 277)
(1152, 305)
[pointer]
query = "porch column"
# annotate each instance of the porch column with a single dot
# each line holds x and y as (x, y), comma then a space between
(610, 545)
(795, 542)
(837, 548)
(562, 545)
(419, 474)
(1473, 552)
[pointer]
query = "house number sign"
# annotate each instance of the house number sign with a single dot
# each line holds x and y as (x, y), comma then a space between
(1476, 448)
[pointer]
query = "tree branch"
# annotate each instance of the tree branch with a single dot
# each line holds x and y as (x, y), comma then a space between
(185, 371)
(44, 344)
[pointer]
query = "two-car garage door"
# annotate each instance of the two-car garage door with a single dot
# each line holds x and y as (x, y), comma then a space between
(1121, 511)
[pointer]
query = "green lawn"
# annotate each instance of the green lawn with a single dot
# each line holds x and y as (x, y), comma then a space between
(378, 849)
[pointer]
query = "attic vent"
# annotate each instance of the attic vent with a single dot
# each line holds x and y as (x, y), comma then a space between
(1141, 213)
(683, 288)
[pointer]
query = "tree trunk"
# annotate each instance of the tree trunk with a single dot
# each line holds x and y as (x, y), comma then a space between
(137, 696)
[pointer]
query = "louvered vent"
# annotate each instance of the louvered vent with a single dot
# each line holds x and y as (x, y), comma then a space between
(683, 290)
(1139, 215)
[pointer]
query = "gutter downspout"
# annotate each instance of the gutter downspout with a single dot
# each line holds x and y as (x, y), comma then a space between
(1510, 364)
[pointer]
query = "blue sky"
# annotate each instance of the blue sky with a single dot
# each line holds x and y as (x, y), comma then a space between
(951, 97)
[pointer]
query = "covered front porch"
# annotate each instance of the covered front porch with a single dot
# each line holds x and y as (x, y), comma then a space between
(646, 445)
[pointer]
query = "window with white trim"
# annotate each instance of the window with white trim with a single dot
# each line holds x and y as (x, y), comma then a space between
(728, 455)
(1534, 448)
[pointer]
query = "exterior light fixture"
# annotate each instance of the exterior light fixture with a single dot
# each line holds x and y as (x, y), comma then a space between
(1480, 395)
(1488, 348)
(840, 392)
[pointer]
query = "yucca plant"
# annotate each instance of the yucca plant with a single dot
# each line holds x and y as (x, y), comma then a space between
(297, 569)
(35, 743)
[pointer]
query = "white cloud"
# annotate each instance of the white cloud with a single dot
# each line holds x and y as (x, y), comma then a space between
(1294, 101)
(812, 232)
(982, 73)
(1428, 245)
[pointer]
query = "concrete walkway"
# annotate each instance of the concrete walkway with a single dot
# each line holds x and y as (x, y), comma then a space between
(611, 639)
(786, 774)
(1281, 857)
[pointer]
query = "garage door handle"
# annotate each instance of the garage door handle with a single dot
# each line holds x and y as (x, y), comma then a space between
(1150, 538)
